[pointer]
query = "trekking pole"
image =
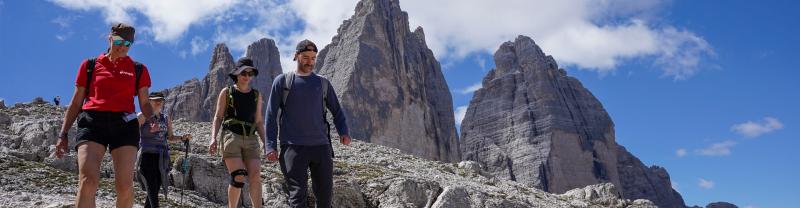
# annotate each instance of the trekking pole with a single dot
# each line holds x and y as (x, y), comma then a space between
(185, 166)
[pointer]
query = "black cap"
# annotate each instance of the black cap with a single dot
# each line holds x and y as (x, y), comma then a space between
(156, 96)
(241, 65)
(305, 45)
(123, 31)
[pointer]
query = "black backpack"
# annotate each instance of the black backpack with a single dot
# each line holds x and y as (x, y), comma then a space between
(138, 67)
(287, 87)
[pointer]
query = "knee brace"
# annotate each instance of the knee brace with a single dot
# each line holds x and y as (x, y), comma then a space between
(240, 172)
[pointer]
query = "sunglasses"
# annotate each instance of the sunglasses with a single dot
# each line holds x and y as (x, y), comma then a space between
(122, 43)
(248, 73)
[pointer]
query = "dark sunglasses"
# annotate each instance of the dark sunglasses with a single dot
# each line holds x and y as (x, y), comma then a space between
(248, 73)
(122, 43)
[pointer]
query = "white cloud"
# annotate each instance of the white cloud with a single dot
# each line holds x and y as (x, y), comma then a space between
(681, 53)
(461, 111)
(481, 63)
(717, 149)
(64, 21)
(183, 54)
(591, 35)
(322, 18)
(569, 30)
(271, 19)
(705, 184)
(471, 88)
(167, 19)
(752, 129)
(199, 45)
(681, 152)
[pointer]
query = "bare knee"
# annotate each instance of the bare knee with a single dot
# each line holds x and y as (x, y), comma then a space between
(253, 172)
(123, 186)
(254, 178)
(89, 180)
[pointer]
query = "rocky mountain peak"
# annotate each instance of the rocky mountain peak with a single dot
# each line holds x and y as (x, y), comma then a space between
(183, 101)
(534, 124)
(389, 83)
(266, 59)
(520, 55)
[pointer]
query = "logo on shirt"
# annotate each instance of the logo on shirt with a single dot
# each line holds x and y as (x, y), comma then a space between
(125, 73)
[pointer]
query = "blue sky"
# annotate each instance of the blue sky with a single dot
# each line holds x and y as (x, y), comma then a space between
(706, 89)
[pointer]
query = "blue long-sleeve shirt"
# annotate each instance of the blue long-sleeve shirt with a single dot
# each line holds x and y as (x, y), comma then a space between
(301, 122)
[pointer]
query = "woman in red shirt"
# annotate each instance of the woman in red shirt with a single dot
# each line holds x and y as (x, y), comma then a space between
(106, 117)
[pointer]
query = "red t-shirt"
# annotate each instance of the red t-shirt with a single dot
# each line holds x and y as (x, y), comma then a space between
(112, 85)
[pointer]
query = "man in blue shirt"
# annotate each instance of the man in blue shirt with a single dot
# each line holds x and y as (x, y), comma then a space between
(297, 107)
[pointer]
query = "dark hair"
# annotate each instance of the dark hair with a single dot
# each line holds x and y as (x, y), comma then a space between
(241, 65)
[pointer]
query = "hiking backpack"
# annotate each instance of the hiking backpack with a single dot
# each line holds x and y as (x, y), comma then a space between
(231, 104)
(288, 80)
(138, 67)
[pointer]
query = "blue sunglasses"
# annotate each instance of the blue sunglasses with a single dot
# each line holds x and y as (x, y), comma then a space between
(123, 42)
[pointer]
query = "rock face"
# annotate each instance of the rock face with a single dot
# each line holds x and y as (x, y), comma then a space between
(267, 60)
(38, 101)
(28, 130)
(642, 182)
(195, 100)
(533, 124)
(605, 194)
(32, 178)
(365, 175)
(370, 175)
(389, 83)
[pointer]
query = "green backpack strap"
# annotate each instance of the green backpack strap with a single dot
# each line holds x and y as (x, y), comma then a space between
(257, 95)
(230, 99)
(234, 121)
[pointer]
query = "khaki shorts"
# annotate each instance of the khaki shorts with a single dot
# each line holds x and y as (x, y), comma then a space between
(236, 145)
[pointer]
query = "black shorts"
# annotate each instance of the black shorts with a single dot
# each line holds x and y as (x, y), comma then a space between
(107, 128)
